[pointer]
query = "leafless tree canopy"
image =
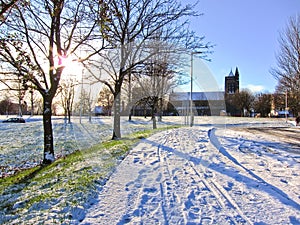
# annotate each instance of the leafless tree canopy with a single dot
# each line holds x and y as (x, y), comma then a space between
(5, 7)
(287, 71)
(38, 39)
(134, 28)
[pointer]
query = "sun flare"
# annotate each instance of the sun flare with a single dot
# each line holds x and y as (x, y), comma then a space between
(72, 68)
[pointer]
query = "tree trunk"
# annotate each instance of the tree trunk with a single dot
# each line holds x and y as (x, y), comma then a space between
(130, 115)
(160, 110)
(69, 115)
(129, 97)
(32, 103)
(153, 117)
(20, 114)
(154, 122)
(117, 118)
(48, 132)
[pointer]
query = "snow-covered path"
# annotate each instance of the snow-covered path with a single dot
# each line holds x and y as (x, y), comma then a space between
(186, 176)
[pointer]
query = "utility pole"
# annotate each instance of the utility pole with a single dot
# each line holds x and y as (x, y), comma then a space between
(191, 93)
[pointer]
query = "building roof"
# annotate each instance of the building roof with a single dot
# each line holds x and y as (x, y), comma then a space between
(197, 96)
(231, 74)
(237, 72)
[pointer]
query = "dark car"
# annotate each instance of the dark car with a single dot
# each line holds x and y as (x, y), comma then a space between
(14, 120)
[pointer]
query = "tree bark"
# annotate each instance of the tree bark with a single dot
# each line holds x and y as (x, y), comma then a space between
(129, 97)
(48, 132)
(153, 117)
(117, 118)
(69, 115)
(154, 122)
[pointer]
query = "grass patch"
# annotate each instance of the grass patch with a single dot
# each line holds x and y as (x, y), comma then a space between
(67, 182)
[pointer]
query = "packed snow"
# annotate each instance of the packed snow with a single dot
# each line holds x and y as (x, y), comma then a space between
(220, 171)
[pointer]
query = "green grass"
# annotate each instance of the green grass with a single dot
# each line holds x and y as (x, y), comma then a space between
(75, 177)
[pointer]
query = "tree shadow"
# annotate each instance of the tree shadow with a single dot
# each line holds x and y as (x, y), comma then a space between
(255, 182)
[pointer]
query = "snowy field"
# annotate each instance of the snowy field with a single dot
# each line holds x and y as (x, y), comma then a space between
(221, 171)
(21, 145)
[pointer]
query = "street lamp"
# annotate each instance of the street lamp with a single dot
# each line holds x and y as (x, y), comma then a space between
(191, 97)
(81, 97)
(286, 106)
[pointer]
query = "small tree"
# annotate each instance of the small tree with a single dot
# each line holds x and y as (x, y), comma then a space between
(67, 91)
(105, 100)
(156, 79)
(5, 106)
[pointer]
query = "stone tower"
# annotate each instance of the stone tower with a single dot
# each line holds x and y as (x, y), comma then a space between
(232, 82)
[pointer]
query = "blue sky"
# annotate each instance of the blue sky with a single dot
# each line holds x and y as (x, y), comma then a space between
(245, 34)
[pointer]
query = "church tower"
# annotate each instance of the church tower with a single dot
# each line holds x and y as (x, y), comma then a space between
(232, 82)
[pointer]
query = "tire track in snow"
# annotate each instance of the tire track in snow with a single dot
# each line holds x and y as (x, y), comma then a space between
(217, 195)
(282, 196)
(206, 176)
(175, 178)
(236, 214)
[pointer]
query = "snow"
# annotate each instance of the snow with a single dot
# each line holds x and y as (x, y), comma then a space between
(220, 171)
(21, 145)
(49, 156)
(199, 175)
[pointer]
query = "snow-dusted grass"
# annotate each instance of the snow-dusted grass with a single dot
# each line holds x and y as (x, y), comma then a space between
(21, 145)
(60, 192)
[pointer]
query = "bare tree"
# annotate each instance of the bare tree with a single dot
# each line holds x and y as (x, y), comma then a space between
(156, 79)
(105, 100)
(133, 27)
(287, 71)
(243, 101)
(38, 42)
(6, 6)
(66, 91)
(83, 107)
(263, 104)
(6, 106)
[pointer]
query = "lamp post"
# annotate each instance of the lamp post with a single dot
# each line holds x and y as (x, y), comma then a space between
(191, 97)
(81, 97)
(286, 106)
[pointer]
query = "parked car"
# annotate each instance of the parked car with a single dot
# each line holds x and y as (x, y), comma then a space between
(14, 120)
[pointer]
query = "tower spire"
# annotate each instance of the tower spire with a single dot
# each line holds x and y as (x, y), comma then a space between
(237, 73)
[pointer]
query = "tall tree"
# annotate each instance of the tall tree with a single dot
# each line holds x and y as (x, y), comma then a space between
(263, 104)
(133, 27)
(37, 42)
(156, 79)
(243, 101)
(287, 71)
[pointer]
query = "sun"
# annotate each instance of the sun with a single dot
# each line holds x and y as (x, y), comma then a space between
(72, 68)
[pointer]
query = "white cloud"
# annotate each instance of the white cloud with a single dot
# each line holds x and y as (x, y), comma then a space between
(255, 88)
